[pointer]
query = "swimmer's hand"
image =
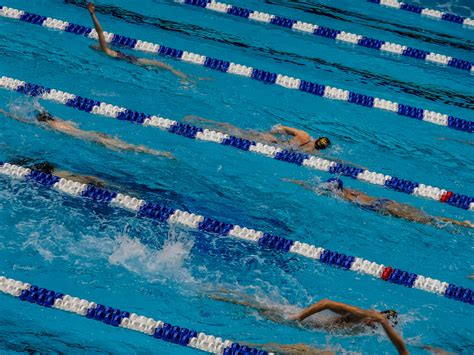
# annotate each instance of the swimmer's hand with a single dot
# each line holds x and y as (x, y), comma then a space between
(168, 155)
(91, 8)
(294, 317)
(277, 129)
(468, 224)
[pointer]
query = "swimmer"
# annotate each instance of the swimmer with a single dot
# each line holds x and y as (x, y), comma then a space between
(46, 120)
(144, 62)
(284, 135)
(382, 206)
(344, 317)
(48, 168)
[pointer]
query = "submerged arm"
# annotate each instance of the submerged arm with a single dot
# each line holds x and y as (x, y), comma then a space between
(100, 32)
(303, 184)
(466, 223)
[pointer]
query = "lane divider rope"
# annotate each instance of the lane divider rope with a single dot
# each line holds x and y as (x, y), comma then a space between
(119, 318)
(266, 77)
(166, 214)
(336, 35)
(194, 132)
(426, 12)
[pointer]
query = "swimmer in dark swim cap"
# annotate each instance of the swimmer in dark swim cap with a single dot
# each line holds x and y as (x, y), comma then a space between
(383, 206)
(44, 116)
(295, 138)
(46, 120)
(343, 317)
(144, 62)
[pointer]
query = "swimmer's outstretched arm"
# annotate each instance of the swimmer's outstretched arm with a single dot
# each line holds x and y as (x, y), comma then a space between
(100, 32)
(15, 117)
(303, 184)
(466, 223)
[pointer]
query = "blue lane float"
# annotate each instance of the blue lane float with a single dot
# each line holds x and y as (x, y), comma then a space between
(193, 132)
(348, 37)
(166, 214)
(123, 319)
(270, 78)
(426, 12)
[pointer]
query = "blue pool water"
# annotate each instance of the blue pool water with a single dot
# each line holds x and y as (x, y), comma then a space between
(109, 256)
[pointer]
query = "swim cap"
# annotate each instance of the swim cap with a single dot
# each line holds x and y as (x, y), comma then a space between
(322, 143)
(336, 182)
(44, 116)
(392, 316)
(45, 167)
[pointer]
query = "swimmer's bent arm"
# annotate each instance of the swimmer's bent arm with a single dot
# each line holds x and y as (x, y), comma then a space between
(100, 32)
(336, 307)
(291, 131)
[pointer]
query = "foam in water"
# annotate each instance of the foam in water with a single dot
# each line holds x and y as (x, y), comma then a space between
(160, 265)
(26, 108)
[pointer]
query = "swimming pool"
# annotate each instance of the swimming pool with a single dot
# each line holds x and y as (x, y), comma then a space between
(109, 256)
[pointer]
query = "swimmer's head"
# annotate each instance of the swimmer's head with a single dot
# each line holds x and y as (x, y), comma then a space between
(391, 315)
(44, 116)
(44, 167)
(335, 183)
(322, 143)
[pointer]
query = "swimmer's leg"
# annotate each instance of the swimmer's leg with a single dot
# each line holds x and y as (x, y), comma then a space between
(161, 65)
(292, 349)
(407, 212)
(221, 126)
(272, 313)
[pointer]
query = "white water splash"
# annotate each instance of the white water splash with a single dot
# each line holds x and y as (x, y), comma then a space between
(161, 265)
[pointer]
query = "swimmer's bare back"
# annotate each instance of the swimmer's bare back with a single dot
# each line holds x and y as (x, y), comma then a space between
(144, 62)
(109, 142)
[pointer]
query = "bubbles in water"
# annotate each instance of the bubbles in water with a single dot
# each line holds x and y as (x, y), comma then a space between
(167, 263)
(25, 107)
